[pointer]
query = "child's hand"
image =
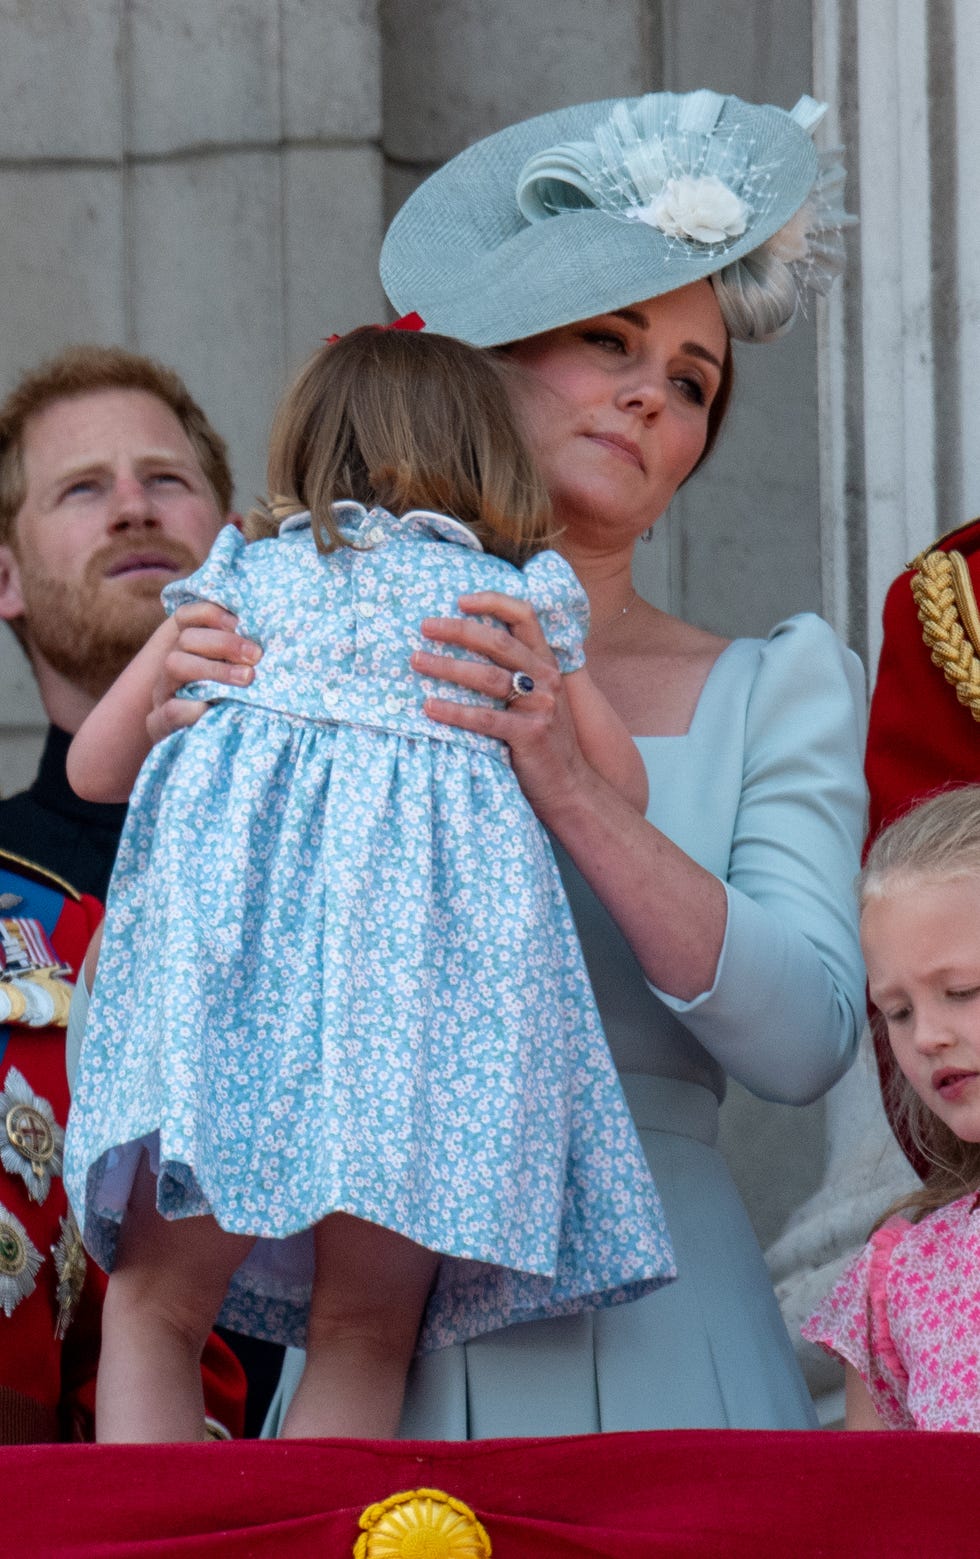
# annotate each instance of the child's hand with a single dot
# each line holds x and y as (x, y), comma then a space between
(207, 648)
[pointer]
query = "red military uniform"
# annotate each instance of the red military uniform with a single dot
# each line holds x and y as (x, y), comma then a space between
(50, 1298)
(921, 736)
(923, 731)
(50, 1295)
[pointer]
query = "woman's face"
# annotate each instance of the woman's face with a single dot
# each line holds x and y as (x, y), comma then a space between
(616, 407)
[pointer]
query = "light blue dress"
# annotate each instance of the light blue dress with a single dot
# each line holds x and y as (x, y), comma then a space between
(765, 790)
(340, 971)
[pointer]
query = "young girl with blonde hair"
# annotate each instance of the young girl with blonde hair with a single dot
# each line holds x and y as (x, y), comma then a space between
(905, 1316)
(343, 1078)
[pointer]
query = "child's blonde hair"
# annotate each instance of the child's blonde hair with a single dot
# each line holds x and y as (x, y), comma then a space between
(938, 839)
(405, 420)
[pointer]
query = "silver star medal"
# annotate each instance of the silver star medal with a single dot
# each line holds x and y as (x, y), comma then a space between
(69, 1263)
(19, 1262)
(31, 1141)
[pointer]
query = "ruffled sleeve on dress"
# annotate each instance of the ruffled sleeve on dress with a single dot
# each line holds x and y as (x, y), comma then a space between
(215, 579)
(852, 1324)
(785, 1009)
(562, 607)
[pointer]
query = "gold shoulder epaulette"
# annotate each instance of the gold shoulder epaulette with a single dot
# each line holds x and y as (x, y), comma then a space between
(947, 607)
(36, 873)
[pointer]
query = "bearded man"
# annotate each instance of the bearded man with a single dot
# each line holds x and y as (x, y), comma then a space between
(112, 483)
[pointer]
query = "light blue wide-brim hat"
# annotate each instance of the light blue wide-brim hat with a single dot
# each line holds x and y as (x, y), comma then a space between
(591, 208)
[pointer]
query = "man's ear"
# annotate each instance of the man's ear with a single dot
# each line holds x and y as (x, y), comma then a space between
(11, 595)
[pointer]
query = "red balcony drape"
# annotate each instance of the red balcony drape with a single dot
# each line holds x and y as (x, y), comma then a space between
(720, 1494)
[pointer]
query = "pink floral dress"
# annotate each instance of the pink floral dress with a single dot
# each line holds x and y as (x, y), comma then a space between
(906, 1315)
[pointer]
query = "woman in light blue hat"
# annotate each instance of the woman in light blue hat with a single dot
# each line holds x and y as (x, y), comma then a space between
(615, 250)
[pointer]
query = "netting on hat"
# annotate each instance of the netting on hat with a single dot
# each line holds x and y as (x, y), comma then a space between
(760, 294)
(703, 179)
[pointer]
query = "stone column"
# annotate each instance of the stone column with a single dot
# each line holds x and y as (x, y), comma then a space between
(898, 460)
(901, 397)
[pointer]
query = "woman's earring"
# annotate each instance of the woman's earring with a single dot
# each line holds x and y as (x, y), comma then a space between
(647, 534)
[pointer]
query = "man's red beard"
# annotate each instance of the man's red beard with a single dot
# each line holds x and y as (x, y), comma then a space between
(89, 630)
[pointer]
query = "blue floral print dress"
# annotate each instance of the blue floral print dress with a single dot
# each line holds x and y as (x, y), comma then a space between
(340, 971)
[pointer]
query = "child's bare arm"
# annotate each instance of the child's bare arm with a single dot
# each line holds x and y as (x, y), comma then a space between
(605, 742)
(106, 754)
(859, 1409)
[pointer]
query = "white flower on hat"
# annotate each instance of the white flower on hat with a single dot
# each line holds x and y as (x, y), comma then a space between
(702, 209)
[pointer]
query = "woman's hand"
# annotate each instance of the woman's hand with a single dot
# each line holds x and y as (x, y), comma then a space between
(537, 726)
(208, 648)
(639, 874)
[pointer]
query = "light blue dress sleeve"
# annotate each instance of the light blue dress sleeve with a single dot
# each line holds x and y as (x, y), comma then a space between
(215, 580)
(562, 607)
(786, 1007)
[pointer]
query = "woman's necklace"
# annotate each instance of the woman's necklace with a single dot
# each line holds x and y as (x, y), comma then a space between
(616, 617)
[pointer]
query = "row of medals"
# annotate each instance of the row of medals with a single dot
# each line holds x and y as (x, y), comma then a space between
(31, 1146)
(38, 999)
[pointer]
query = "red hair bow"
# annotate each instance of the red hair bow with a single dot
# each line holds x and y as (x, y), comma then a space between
(411, 321)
